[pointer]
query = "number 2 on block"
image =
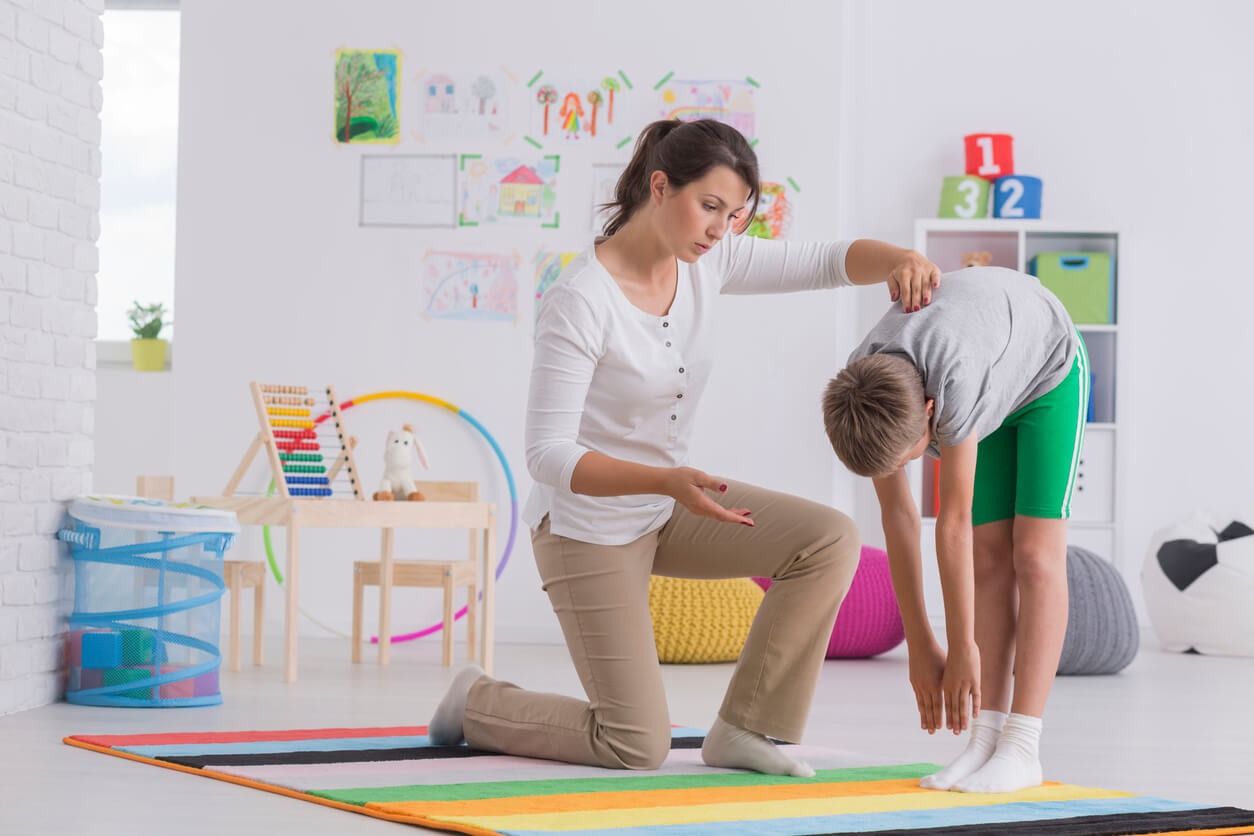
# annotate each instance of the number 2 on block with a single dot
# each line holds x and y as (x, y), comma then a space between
(1011, 208)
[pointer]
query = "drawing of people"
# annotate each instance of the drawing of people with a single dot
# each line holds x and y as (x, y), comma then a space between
(571, 113)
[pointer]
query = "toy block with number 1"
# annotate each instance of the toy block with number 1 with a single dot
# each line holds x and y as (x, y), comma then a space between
(1017, 196)
(964, 197)
(990, 155)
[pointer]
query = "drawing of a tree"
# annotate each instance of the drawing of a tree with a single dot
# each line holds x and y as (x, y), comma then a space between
(547, 96)
(611, 85)
(483, 89)
(594, 99)
(356, 77)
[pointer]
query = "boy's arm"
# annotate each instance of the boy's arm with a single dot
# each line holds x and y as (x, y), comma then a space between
(900, 518)
(955, 558)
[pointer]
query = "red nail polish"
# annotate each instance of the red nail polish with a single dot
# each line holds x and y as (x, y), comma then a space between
(722, 487)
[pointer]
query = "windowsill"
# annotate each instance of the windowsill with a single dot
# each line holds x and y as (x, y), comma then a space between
(115, 356)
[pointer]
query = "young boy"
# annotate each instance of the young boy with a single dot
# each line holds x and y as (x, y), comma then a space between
(992, 380)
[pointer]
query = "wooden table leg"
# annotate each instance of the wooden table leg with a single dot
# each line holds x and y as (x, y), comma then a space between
(259, 619)
(489, 591)
(234, 585)
(385, 597)
(472, 602)
(292, 582)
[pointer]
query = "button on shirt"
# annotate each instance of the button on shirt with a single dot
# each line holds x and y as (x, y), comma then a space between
(610, 377)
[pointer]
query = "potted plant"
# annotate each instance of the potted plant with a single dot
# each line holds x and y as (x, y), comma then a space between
(147, 350)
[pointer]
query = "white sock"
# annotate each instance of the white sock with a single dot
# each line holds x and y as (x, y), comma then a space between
(1015, 764)
(445, 728)
(735, 748)
(985, 729)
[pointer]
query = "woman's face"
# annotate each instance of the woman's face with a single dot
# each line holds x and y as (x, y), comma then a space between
(694, 218)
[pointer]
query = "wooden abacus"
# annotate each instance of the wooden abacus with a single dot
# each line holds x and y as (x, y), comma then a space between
(297, 432)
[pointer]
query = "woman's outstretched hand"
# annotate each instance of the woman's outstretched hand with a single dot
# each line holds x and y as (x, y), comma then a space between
(913, 280)
(688, 487)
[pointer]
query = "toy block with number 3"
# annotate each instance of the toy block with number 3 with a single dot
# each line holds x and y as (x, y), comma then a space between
(1017, 196)
(964, 197)
(990, 155)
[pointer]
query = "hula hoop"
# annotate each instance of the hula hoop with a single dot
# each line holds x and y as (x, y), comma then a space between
(500, 456)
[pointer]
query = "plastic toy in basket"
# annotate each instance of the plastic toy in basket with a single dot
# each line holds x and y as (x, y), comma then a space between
(147, 584)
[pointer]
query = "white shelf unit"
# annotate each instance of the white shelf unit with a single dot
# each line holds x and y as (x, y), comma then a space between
(1095, 505)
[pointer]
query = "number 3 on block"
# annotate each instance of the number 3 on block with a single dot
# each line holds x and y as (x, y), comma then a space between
(964, 197)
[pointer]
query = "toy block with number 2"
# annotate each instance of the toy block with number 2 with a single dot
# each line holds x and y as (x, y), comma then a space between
(1017, 196)
(964, 197)
(990, 155)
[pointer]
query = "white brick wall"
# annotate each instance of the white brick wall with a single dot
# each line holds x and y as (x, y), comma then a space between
(50, 71)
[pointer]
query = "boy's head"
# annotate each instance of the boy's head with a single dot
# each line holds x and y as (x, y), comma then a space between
(876, 414)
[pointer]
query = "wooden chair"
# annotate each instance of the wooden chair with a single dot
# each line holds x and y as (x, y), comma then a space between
(445, 574)
(238, 574)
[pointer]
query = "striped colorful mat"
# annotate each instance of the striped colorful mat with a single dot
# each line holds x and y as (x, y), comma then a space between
(397, 774)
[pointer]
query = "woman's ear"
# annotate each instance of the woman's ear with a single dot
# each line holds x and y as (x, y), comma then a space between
(931, 406)
(658, 183)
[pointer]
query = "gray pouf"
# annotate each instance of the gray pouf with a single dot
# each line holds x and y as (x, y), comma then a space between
(1102, 633)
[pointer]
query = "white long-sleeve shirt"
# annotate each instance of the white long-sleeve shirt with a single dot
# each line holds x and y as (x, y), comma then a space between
(609, 377)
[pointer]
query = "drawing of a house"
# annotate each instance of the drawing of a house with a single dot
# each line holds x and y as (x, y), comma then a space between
(520, 193)
(440, 94)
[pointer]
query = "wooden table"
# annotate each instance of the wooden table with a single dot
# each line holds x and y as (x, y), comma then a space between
(297, 514)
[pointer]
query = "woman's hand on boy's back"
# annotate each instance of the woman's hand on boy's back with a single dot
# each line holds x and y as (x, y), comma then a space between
(961, 686)
(688, 486)
(927, 668)
(912, 281)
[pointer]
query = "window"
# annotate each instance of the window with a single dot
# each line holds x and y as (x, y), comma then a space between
(139, 153)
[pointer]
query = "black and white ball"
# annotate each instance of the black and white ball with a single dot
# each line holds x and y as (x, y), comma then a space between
(1199, 584)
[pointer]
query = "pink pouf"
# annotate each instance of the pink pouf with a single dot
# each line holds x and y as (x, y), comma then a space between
(869, 622)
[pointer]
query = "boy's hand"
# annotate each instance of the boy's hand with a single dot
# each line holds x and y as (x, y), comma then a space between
(960, 684)
(913, 280)
(688, 487)
(927, 665)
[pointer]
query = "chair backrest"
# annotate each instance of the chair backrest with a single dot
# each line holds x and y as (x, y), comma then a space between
(449, 491)
(155, 487)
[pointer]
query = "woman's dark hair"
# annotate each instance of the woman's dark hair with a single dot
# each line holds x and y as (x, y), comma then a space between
(683, 151)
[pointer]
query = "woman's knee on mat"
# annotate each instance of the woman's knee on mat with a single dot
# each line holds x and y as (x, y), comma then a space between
(642, 748)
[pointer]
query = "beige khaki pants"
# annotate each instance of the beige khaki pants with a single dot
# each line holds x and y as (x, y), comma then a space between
(601, 597)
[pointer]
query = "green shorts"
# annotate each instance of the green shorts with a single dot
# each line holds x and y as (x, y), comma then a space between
(1027, 466)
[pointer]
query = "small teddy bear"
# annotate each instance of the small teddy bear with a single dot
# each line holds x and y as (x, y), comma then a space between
(398, 477)
(980, 259)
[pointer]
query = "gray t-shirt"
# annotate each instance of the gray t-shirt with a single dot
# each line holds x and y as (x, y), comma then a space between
(991, 341)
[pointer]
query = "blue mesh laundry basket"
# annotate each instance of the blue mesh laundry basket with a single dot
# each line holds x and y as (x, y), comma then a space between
(147, 584)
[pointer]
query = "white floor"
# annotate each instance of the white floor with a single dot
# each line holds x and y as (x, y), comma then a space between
(1170, 725)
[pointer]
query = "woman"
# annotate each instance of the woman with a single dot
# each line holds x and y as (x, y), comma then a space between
(622, 354)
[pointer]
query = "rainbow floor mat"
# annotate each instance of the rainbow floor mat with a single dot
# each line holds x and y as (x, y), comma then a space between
(398, 775)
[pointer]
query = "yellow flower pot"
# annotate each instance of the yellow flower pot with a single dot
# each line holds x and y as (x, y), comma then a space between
(148, 355)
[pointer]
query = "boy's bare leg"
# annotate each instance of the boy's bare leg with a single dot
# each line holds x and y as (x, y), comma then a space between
(1040, 561)
(994, 635)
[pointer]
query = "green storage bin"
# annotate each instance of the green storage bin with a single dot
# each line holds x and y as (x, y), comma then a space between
(1083, 282)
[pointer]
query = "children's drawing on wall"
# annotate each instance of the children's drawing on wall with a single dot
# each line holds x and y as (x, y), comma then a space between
(365, 95)
(479, 286)
(549, 265)
(774, 215)
(586, 109)
(508, 189)
(408, 190)
(470, 105)
(604, 179)
(730, 102)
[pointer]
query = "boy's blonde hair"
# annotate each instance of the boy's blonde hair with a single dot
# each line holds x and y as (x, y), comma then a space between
(874, 411)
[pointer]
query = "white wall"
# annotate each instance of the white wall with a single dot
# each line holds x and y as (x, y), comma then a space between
(275, 281)
(50, 67)
(1135, 115)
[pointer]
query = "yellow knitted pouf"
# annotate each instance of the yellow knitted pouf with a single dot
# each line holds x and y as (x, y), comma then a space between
(702, 620)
